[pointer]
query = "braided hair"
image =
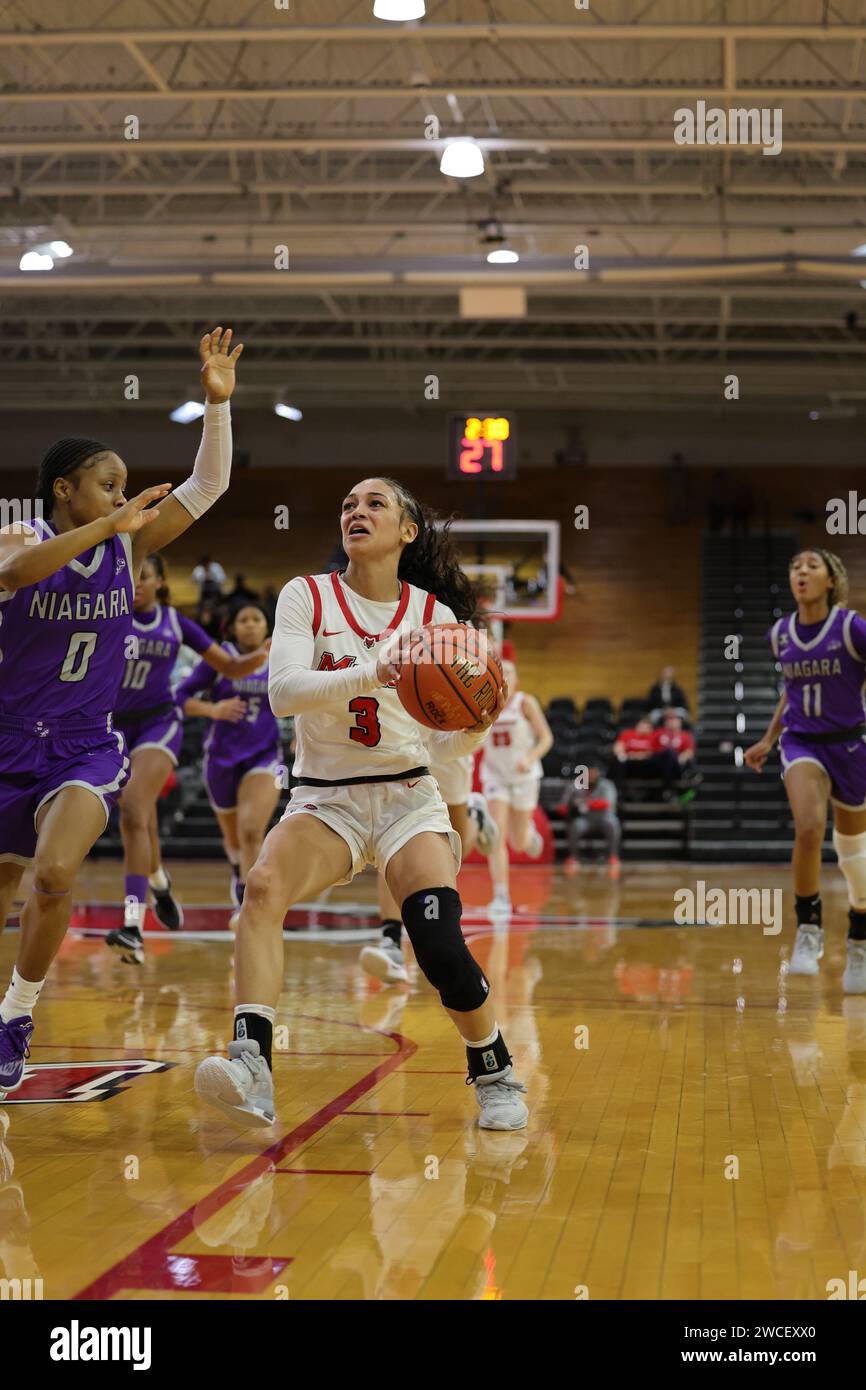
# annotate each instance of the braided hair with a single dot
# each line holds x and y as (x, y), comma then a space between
(62, 459)
(431, 561)
(835, 569)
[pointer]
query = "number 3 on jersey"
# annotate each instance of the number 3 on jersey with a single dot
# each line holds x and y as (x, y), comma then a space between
(367, 728)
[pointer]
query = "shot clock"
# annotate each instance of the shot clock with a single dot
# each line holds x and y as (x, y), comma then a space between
(482, 446)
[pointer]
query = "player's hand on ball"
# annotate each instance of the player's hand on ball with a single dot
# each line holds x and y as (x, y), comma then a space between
(489, 718)
(135, 515)
(757, 755)
(394, 656)
(232, 711)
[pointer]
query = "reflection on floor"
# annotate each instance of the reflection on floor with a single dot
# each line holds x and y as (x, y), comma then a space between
(697, 1129)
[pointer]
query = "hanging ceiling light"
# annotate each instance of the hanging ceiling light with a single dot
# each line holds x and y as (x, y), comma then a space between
(399, 9)
(35, 260)
(190, 410)
(60, 249)
(462, 159)
(503, 255)
(288, 412)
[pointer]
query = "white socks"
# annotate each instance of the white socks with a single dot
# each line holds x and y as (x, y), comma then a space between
(20, 997)
(483, 1042)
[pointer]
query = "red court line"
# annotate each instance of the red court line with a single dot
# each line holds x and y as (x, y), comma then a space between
(150, 1265)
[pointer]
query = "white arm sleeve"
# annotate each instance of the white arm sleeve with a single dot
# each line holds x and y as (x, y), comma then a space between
(292, 687)
(445, 747)
(213, 462)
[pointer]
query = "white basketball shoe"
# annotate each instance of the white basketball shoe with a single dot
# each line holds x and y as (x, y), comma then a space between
(240, 1085)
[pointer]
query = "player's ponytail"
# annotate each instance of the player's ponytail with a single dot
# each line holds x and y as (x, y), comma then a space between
(64, 458)
(431, 562)
(838, 574)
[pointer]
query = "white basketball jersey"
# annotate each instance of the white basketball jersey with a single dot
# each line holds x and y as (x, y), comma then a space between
(371, 735)
(510, 738)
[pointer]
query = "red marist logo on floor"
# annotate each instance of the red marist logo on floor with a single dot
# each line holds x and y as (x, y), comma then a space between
(50, 1083)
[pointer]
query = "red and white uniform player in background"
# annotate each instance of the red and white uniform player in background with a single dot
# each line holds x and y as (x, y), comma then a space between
(510, 781)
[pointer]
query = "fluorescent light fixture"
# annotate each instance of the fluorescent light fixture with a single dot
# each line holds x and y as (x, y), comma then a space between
(462, 159)
(288, 412)
(34, 260)
(859, 250)
(59, 249)
(190, 410)
(399, 9)
(503, 256)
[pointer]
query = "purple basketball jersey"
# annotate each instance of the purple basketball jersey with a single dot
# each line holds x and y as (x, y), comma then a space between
(159, 636)
(258, 732)
(823, 669)
(62, 640)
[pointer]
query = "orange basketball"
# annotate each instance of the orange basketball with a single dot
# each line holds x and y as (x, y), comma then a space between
(450, 678)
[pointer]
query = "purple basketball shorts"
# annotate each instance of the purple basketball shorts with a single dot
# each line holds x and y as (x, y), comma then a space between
(844, 763)
(223, 779)
(164, 733)
(38, 759)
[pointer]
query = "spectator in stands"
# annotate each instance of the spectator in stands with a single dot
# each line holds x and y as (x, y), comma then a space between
(666, 693)
(592, 811)
(241, 593)
(635, 745)
(637, 755)
(210, 578)
(674, 749)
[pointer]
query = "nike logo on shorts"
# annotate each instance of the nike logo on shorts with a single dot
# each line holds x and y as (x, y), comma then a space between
(414, 784)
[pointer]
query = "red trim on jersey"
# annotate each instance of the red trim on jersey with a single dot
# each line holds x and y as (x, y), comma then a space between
(395, 622)
(428, 608)
(317, 603)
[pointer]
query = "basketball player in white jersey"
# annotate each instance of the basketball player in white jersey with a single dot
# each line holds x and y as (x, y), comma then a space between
(471, 818)
(364, 794)
(510, 780)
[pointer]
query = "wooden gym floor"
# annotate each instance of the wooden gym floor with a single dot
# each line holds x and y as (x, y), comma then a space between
(705, 1138)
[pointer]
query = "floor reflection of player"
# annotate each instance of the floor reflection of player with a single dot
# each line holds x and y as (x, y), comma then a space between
(17, 1261)
(811, 1224)
(430, 1229)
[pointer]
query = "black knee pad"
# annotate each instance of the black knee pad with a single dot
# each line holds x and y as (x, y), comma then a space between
(432, 920)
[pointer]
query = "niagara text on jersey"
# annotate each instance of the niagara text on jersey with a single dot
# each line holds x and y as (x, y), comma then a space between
(823, 669)
(62, 640)
(370, 735)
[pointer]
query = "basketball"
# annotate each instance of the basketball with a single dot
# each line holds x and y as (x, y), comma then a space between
(451, 677)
